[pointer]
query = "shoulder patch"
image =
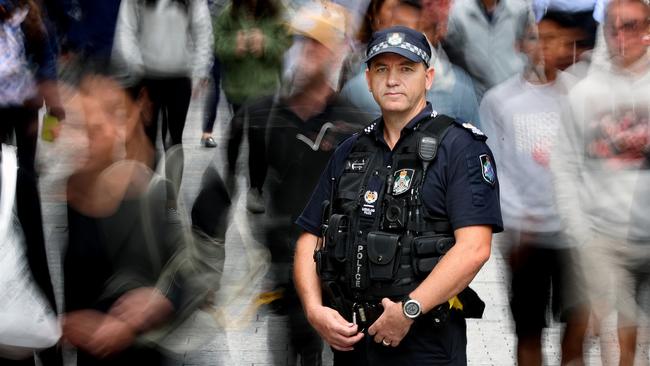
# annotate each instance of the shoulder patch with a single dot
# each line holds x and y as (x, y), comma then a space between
(487, 170)
(478, 134)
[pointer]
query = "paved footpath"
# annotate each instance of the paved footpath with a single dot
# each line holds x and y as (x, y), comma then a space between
(235, 332)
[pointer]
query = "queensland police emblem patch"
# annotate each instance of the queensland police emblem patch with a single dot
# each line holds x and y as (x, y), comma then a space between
(402, 180)
(370, 197)
(395, 39)
(487, 170)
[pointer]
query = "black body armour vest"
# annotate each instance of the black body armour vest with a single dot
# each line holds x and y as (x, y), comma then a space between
(379, 240)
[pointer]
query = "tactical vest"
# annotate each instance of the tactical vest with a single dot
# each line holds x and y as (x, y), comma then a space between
(379, 239)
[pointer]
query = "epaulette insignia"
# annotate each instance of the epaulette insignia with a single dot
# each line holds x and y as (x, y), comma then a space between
(371, 127)
(478, 134)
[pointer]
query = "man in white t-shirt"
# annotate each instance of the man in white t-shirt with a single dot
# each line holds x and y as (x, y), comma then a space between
(522, 116)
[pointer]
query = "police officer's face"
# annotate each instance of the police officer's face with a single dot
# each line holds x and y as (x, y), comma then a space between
(397, 83)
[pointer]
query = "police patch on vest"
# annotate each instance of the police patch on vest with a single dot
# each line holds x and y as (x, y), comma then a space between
(487, 170)
(356, 165)
(402, 180)
(369, 198)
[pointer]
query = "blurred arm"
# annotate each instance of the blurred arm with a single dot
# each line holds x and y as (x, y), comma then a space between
(126, 50)
(201, 29)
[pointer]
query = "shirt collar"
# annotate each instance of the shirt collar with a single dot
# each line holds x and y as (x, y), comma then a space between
(377, 128)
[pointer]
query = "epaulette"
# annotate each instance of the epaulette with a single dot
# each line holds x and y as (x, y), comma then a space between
(478, 134)
(371, 127)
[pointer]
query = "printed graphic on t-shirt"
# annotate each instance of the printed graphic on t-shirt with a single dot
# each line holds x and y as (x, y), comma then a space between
(318, 141)
(620, 138)
(535, 134)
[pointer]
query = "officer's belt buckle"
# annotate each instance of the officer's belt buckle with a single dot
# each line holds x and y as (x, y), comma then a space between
(364, 314)
(359, 316)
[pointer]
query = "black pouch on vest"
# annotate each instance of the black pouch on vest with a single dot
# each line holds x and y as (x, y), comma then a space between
(337, 235)
(423, 266)
(382, 255)
(433, 245)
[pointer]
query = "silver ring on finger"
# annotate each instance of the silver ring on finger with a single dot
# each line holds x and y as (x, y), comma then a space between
(385, 342)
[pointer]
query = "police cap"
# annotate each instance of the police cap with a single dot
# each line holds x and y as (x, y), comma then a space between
(401, 40)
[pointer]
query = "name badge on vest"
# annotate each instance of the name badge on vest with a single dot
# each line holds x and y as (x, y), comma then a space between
(402, 180)
(356, 165)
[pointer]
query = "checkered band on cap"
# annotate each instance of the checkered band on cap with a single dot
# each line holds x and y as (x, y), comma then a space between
(405, 45)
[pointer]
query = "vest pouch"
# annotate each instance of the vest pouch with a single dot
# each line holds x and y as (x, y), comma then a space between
(337, 235)
(383, 255)
(325, 267)
(423, 266)
(433, 245)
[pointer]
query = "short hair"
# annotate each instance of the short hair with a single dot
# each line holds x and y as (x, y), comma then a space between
(563, 19)
(580, 20)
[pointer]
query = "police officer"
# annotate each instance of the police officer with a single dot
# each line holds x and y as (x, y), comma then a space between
(400, 223)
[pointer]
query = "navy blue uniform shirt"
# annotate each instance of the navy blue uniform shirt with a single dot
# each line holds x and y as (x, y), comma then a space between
(459, 184)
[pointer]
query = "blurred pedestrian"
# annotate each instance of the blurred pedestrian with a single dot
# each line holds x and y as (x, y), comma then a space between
(213, 91)
(167, 44)
(27, 77)
(522, 116)
(600, 165)
(298, 130)
(124, 266)
(250, 40)
(481, 38)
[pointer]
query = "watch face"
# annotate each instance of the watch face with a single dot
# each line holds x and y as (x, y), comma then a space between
(411, 308)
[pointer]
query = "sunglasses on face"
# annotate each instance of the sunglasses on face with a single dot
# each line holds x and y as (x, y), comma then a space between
(627, 27)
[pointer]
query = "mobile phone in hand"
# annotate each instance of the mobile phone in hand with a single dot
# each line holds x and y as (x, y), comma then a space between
(50, 125)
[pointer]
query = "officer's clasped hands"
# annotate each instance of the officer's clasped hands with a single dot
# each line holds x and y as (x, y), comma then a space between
(392, 325)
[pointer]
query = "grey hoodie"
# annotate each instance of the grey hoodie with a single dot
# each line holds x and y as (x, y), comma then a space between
(601, 162)
(164, 40)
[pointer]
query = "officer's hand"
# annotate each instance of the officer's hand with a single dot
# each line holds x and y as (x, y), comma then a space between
(333, 328)
(392, 325)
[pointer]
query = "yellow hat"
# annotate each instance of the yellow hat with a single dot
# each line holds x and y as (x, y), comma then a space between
(325, 22)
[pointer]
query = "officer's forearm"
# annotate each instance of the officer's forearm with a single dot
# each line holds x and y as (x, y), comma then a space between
(304, 273)
(457, 268)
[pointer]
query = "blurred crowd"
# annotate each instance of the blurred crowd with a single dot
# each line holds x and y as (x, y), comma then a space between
(560, 87)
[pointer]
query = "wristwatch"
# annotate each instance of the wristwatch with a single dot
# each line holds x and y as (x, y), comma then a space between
(411, 308)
